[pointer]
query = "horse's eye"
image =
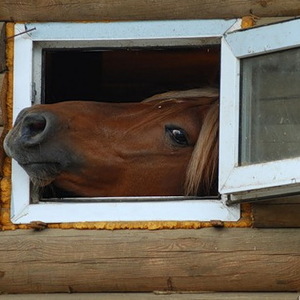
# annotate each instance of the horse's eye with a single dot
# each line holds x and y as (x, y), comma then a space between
(177, 134)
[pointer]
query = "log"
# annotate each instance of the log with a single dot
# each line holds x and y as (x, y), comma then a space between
(2, 47)
(108, 10)
(277, 213)
(155, 296)
(220, 260)
(3, 117)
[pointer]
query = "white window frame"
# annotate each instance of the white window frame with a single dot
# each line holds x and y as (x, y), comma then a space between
(27, 65)
(261, 179)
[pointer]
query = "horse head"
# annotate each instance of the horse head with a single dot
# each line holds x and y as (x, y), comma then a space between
(165, 145)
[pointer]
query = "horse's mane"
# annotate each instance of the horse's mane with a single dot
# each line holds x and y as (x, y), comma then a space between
(188, 94)
(201, 174)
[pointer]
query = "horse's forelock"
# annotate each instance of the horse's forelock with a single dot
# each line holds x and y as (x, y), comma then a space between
(202, 170)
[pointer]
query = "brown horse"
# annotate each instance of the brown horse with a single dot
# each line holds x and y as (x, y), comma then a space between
(165, 145)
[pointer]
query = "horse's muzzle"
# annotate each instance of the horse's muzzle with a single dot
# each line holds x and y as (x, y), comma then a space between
(31, 130)
(33, 144)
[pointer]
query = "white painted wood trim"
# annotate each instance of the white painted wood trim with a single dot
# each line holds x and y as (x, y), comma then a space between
(178, 32)
(22, 93)
(264, 175)
(189, 210)
(265, 39)
(229, 114)
(145, 30)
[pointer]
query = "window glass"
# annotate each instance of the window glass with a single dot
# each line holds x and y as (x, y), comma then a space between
(270, 107)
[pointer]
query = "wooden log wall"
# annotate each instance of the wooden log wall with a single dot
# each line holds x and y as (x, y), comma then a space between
(2, 48)
(99, 10)
(277, 213)
(156, 295)
(209, 259)
(3, 90)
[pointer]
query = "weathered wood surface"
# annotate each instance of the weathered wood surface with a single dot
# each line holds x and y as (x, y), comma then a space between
(156, 296)
(3, 119)
(49, 10)
(232, 259)
(283, 212)
(2, 47)
(3, 84)
(3, 90)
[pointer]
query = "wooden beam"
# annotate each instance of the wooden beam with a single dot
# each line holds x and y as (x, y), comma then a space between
(3, 117)
(277, 213)
(275, 216)
(3, 90)
(236, 260)
(155, 296)
(81, 10)
(2, 47)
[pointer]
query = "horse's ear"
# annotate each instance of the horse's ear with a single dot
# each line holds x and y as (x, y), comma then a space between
(202, 171)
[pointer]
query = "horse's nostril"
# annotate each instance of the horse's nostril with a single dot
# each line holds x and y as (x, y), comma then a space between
(33, 129)
(37, 126)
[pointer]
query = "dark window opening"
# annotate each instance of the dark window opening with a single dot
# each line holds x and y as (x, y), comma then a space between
(126, 75)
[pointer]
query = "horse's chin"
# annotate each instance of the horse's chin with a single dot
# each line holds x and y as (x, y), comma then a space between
(42, 173)
(41, 182)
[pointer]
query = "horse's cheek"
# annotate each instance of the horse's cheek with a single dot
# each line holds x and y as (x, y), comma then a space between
(163, 176)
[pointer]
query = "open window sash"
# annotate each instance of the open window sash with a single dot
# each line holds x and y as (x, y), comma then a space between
(259, 112)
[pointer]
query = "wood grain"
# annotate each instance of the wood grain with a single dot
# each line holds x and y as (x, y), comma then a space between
(208, 259)
(3, 119)
(3, 90)
(277, 213)
(2, 47)
(82, 10)
(155, 296)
